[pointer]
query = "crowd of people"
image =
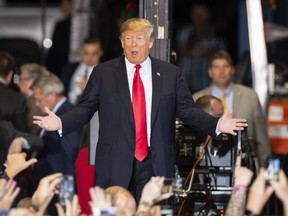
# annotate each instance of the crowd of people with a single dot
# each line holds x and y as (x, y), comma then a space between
(137, 98)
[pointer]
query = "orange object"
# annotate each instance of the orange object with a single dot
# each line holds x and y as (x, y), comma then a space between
(277, 124)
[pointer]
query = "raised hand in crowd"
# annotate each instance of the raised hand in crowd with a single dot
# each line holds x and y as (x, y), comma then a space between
(71, 208)
(8, 192)
(45, 192)
(281, 190)
(242, 178)
(242, 175)
(152, 193)
(259, 194)
(17, 163)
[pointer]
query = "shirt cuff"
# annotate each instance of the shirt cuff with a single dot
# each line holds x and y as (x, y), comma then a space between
(25, 143)
(60, 129)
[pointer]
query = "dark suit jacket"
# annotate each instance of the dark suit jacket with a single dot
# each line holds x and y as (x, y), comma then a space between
(66, 75)
(58, 54)
(8, 133)
(12, 107)
(108, 92)
(58, 154)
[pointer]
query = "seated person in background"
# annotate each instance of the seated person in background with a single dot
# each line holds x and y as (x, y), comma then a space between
(75, 75)
(242, 100)
(214, 107)
(28, 74)
(211, 105)
(12, 106)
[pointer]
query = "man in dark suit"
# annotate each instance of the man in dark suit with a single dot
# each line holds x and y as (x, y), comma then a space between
(29, 72)
(58, 154)
(58, 54)
(75, 75)
(111, 90)
(12, 104)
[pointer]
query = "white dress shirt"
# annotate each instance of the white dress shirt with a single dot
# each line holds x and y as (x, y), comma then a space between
(75, 88)
(146, 77)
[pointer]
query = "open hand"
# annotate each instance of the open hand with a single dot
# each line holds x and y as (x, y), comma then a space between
(51, 122)
(16, 163)
(227, 124)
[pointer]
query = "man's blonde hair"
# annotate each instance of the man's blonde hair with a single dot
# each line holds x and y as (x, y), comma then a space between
(137, 24)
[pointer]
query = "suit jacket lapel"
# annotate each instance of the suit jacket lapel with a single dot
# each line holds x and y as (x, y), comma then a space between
(156, 89)
(236, 99)
(123, 87)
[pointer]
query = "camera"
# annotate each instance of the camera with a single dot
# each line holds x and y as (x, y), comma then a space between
(272, 168)
(66, 189)
(173, 185)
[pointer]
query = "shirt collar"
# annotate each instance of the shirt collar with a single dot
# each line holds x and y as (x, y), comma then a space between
(144, 65)
(59, 104)
(219, 91)
(83, 65)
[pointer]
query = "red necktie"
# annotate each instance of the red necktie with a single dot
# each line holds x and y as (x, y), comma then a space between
(139, 111)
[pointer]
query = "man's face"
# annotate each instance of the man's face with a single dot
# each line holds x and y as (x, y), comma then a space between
(91, 54)
(25, 81)
(217, 108)
(136, 45)
(221, 72)
(43, 100)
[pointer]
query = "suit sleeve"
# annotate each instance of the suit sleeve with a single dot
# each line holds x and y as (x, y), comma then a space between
(19, 119)
(85, 109)
(35, 142)
(188, 112)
